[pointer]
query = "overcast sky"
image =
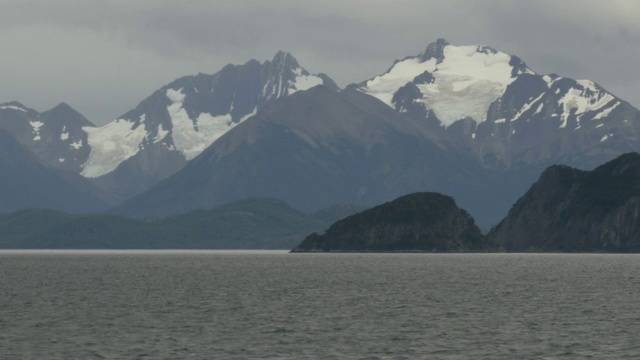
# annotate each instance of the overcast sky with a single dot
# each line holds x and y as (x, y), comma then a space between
(104, 57)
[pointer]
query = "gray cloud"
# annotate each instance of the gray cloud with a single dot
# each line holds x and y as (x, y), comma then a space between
(103, 57)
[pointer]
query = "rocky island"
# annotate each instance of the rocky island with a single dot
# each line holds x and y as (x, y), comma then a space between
(419, 222)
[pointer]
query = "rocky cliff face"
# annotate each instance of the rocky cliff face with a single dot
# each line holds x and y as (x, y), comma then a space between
(415, 222)
(569, 210)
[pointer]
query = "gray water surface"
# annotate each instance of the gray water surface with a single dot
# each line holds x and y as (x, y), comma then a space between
(274, 305)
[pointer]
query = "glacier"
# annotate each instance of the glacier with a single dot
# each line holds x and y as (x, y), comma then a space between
(466, 82)
(192, 137)
(110, 145)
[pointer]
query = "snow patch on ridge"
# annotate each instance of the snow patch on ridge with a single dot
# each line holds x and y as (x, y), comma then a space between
(64, 135)
(12, 107)
(162, 133)
(528, 106)
(604, 113)
(584, 100)
(303, 82)
(36, 125)
(192, 137)
(111, 145)
(384, 86)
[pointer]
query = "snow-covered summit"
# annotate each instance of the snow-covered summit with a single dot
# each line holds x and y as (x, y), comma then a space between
(454, 82)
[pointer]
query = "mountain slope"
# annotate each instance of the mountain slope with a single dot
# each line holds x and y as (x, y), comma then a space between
(313, 149)
(576, 211)
(27, 183)
(180, 120)
(493, 106)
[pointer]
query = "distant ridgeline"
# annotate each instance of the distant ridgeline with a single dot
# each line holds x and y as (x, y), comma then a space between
(248, 224)
(566, 210)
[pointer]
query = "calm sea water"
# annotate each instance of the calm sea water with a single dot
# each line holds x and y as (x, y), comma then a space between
(273, 305)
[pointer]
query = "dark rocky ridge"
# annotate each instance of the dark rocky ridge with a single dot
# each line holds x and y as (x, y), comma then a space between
(569, 210)
(426, 222)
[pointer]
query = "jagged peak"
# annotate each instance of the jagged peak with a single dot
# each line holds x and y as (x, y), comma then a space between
(282, 55)
(284, 60)
(519, 66)
(435, 50)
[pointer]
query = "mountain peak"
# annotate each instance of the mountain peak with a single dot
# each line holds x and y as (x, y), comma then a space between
(285, 60)
(63, 106)
(65, 113)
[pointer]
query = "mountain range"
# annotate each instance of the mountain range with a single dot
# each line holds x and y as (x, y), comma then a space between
(467, 121)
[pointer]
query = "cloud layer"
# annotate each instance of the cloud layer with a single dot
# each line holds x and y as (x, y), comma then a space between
(103, 57)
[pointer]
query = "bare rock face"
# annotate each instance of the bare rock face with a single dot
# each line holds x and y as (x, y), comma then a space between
(419, 222)
(569, 210)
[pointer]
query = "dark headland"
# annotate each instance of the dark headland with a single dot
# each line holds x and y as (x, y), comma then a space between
(416, 222)
(566, 210)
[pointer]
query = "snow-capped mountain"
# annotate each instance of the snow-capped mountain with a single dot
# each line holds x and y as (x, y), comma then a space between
(313, 149)
(468, 121)
(55, 136)
(448, 82)
(544, 119)
(179, 121)
(488, 126)
(491, 104)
